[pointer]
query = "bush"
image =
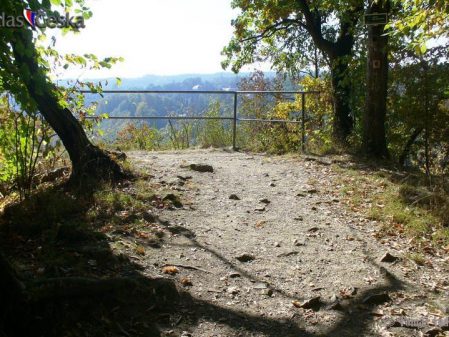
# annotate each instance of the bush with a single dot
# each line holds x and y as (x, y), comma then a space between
(214, 132)
(25, 145)
(141, 137)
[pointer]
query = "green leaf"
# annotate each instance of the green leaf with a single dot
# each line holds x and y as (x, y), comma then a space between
(423, 48)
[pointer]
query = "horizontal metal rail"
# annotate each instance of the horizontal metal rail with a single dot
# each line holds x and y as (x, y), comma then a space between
(218, 92)
(268, 120)
(198, 118)
(160, 117)
(234, 118)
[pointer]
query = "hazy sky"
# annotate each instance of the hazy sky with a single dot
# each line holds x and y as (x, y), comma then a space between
(154, 36)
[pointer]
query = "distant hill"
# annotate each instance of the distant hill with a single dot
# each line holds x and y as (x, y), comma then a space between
(215, 81)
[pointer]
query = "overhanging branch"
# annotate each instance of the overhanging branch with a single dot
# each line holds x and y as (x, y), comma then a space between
(269, 31)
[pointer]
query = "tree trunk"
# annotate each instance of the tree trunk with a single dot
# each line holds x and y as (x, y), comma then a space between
(87, 159)
(406, 151)
(341, 94)
(374, 139)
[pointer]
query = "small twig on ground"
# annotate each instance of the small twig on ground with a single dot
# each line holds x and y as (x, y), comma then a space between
(186, 267)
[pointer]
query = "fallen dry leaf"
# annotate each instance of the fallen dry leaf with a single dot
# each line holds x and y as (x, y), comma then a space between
(140, 250)
(260, 224)
(171, 270)
(186, 282)
(297, 304)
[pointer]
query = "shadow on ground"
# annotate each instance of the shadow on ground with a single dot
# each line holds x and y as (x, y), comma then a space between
(77, 285)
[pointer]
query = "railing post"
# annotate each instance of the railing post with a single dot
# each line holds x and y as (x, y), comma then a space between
(234, 122)
(303, 122)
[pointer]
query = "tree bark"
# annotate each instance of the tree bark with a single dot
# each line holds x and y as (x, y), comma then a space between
(374, 139)
(341, 94)
(88, 161)
(406, 151)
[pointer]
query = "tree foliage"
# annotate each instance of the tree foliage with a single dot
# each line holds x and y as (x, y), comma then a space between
(28, 61)
(290, 33)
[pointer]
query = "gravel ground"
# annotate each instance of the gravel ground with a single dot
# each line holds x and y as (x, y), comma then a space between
(265, 247)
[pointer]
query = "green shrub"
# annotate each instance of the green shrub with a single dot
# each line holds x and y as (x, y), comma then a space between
(214, 132)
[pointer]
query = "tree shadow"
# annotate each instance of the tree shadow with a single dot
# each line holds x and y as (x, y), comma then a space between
(191, 236)
(77, 284)
(356, 316)
(356, 312)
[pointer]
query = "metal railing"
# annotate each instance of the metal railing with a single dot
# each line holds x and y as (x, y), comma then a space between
(235, 119)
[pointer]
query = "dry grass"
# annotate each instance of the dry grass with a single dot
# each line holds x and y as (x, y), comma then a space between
(400, 202)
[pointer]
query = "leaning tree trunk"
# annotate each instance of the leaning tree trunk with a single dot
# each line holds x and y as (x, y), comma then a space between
(406, 151)
(87, 159)
(341, 94)
(374, 139)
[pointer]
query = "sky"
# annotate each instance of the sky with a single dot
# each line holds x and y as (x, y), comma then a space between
(161, 37)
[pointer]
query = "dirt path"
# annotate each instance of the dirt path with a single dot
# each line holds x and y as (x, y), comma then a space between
(298, 238)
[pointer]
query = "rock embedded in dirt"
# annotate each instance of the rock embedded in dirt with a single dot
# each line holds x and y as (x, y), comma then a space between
(299, 218)
(267, 292)
(272, 185)
(287, 254)
(173, 199)
(234, 275)
(186, 334)
(245, 257)
(233, 290)
(388, 258)
(203, 168)
(175, 182)
(299, 242)
(313, 303)
(334, 305)
(234, 197)
(265, 201)
(376, 299)
(260, 285)
(184, 178)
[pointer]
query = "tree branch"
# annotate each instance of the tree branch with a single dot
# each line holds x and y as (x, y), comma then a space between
(313, 26)
(269, 31)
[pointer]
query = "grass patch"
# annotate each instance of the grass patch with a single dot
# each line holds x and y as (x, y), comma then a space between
(418, 258)
(401, 203)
